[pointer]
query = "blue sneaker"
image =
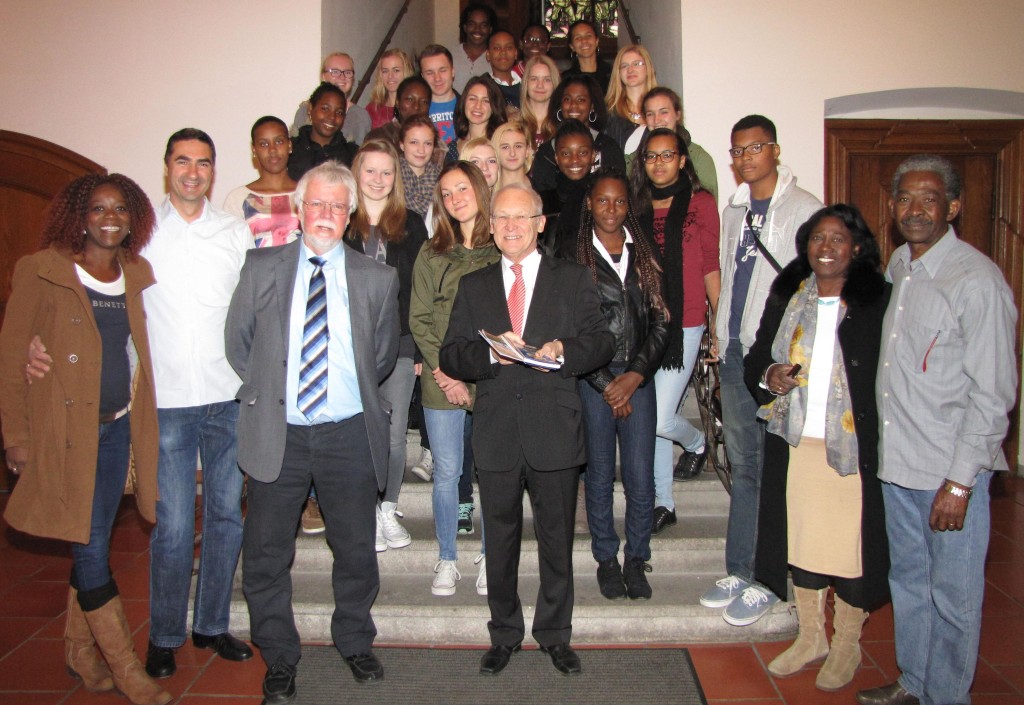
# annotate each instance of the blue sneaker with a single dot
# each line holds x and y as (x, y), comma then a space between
(753, 604)
(724, 591)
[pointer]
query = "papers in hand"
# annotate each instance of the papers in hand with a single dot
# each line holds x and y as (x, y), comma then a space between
(526, 354)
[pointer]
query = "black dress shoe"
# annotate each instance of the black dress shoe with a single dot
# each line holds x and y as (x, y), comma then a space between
(663, 518)
(279, 685)
(564, 659)
(609, 579)
(365, 667)
(226, 646)
(892, 694)
(160, 661)
(497, 657)
(690, 465)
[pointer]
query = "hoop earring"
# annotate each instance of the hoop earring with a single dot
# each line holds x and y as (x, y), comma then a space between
(593, 116)
(558, 115)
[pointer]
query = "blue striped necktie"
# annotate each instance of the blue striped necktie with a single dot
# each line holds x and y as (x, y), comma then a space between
(313, 368)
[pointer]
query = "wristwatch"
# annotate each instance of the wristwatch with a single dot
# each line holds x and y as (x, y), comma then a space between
(960, 492)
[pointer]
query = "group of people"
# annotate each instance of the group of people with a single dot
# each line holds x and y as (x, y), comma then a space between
(279, 341)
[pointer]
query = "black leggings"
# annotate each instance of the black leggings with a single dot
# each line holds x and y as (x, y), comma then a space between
(849, 590)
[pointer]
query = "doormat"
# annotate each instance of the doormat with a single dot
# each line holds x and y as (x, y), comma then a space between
(452, 677)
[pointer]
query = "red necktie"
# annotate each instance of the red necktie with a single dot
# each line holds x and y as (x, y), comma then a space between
(517, 300)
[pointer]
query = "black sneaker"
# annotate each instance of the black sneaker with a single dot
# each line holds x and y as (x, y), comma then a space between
(690, 465)
(663, 518)
(634, 574)
(609, 579)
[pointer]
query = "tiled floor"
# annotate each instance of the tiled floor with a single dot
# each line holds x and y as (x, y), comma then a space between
(33, 589)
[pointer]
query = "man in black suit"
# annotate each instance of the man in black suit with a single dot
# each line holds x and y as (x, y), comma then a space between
(527, 424)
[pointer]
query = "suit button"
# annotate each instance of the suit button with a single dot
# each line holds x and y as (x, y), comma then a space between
(69, 402)
(72, 358)
(519, 397)
(76, 320)
(854, 363)
(860, 416)
(67, 444)
(281, 402)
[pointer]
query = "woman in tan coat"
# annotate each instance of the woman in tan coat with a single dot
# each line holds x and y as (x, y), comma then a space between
(70, 434)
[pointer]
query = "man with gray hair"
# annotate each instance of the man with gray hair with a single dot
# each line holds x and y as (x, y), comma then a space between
(946, 380)
(333, 320)
(527, 426)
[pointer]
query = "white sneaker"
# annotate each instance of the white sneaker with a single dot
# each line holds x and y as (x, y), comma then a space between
(381, 542)
(481, 577)
(444, 581)
(424, 469)
(394, 533)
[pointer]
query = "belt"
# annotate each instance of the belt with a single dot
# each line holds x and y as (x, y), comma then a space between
(113, 416)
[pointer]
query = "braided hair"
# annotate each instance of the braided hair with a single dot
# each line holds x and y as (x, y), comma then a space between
(646, 257)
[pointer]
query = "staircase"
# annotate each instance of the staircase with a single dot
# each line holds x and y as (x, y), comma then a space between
(687, 558)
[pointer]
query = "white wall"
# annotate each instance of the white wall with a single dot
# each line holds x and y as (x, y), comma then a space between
(741, 58)
(353, 27)
(657, 23)
(113, 79)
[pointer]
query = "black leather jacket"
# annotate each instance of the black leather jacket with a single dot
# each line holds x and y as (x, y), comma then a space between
(640, 331)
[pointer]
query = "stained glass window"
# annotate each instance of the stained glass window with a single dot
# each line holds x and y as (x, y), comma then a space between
(560, 14)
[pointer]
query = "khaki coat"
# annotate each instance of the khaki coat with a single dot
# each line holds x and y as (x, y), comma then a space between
(57, 418)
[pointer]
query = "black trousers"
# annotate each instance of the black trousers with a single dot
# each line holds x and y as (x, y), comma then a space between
(553, 496)
(336, 456)
(849, 590)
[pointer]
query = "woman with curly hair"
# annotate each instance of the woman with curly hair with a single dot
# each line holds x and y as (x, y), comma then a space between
(812, 368)
(69, 435)
(540, 79)
(478, 112)
(618, 400)
(393, 67)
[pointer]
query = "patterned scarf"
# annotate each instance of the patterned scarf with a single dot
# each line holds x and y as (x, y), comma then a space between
(786, 414)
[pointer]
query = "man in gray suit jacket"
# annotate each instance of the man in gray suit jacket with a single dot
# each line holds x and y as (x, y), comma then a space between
(311, 331)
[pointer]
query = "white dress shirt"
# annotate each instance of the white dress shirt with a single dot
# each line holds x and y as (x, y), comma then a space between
(196, 266)
(531, 265)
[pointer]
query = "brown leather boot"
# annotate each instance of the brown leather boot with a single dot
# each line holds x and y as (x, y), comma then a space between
(80, 653)
(811, 644)
(844, 659)
(110, 629)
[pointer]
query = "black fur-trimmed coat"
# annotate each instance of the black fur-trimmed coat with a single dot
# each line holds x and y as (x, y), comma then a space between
(866, 295)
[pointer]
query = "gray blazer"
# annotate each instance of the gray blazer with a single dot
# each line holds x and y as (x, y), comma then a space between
(256, 338)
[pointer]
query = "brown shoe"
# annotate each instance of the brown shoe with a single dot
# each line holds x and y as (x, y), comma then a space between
(892, 694)
(110, 629)
(80, 653)
(312, 520)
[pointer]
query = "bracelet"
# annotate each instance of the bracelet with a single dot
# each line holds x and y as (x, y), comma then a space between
(959, 491)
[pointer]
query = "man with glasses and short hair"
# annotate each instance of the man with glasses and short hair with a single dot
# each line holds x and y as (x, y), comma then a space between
(759, 227)
(333, 319)
(527, 426)
(339, 69)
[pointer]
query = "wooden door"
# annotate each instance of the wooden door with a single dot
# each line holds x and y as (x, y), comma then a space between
(862, 155)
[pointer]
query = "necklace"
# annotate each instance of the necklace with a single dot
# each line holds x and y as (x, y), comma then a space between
(635, 117)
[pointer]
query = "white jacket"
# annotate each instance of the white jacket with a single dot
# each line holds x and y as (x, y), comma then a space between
(790, 207)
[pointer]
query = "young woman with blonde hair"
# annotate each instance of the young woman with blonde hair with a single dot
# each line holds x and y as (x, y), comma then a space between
(634, 77)
(540, 79)
(514, 148)
(394, 66)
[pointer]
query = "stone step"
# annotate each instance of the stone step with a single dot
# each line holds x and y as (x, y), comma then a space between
(405, 612)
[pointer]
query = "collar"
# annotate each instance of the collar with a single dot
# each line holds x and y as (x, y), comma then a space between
(167, 211)
(933, 258)
(334, 256)
(516, 80)
(531, 261)
(741, 198)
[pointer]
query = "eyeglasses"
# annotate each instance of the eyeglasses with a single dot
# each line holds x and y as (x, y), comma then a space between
(319, 206)
(338, 73)
(666, 156)
(638, 64)
(753, 148)
(516, 220)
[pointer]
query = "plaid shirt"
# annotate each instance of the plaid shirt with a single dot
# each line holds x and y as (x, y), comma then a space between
(419, 190)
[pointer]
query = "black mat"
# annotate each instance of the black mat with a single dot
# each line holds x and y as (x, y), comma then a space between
(451, 677)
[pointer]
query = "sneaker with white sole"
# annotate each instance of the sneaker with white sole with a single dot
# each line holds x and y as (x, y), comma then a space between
(380, 543)
(753, 604)
(724, 591)
(444, 581)
(395, 534)
(424, 469)
(465, 518)
(312, 520)
(481, 577)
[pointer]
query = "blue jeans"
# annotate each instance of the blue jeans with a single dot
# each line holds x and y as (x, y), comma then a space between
(635, 433)
(397, 389)
(466, 479)
(207, 433)
(92, 560)
(937, 579)
(672, 427)
(447, 427)
(744, 442)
